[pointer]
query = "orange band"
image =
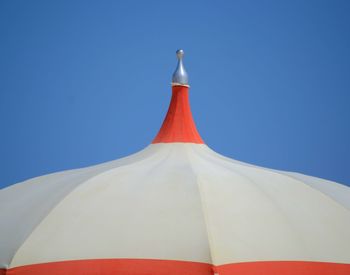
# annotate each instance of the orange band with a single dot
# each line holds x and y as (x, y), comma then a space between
(114, 266)
(170, 267)
(284, 268)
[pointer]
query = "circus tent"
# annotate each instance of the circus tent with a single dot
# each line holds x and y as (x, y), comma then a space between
(176, 207)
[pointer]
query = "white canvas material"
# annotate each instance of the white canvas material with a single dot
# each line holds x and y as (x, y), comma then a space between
(175, 201)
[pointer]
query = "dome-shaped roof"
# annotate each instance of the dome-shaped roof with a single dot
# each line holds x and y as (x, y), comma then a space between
(176, 207)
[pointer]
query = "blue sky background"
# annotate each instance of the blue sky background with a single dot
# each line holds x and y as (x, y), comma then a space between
(83, 82)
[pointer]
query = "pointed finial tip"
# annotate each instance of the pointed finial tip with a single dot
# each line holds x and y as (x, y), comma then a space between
(180, 53)
(180, 76)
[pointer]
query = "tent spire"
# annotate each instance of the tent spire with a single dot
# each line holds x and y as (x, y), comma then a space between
(180, 76)
(178, 125)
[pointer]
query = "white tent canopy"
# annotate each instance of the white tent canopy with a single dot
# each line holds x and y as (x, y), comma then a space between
(176, 207)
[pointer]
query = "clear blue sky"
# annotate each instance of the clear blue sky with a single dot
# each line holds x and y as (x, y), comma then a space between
(83, 82)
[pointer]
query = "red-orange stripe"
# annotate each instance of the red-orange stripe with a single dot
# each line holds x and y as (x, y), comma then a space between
(284, 268)
(171, 267)
(114, 266)
(178, 125)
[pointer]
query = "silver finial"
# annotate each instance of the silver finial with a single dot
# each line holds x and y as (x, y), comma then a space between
(180, 76)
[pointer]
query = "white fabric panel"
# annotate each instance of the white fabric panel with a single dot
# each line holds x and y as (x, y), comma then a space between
(336, 191)
(149, 209)
(339, 192)
(256, 214)
(183, 201)
(24, 205)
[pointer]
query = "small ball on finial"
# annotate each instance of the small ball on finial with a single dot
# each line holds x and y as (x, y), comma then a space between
(180, 53)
